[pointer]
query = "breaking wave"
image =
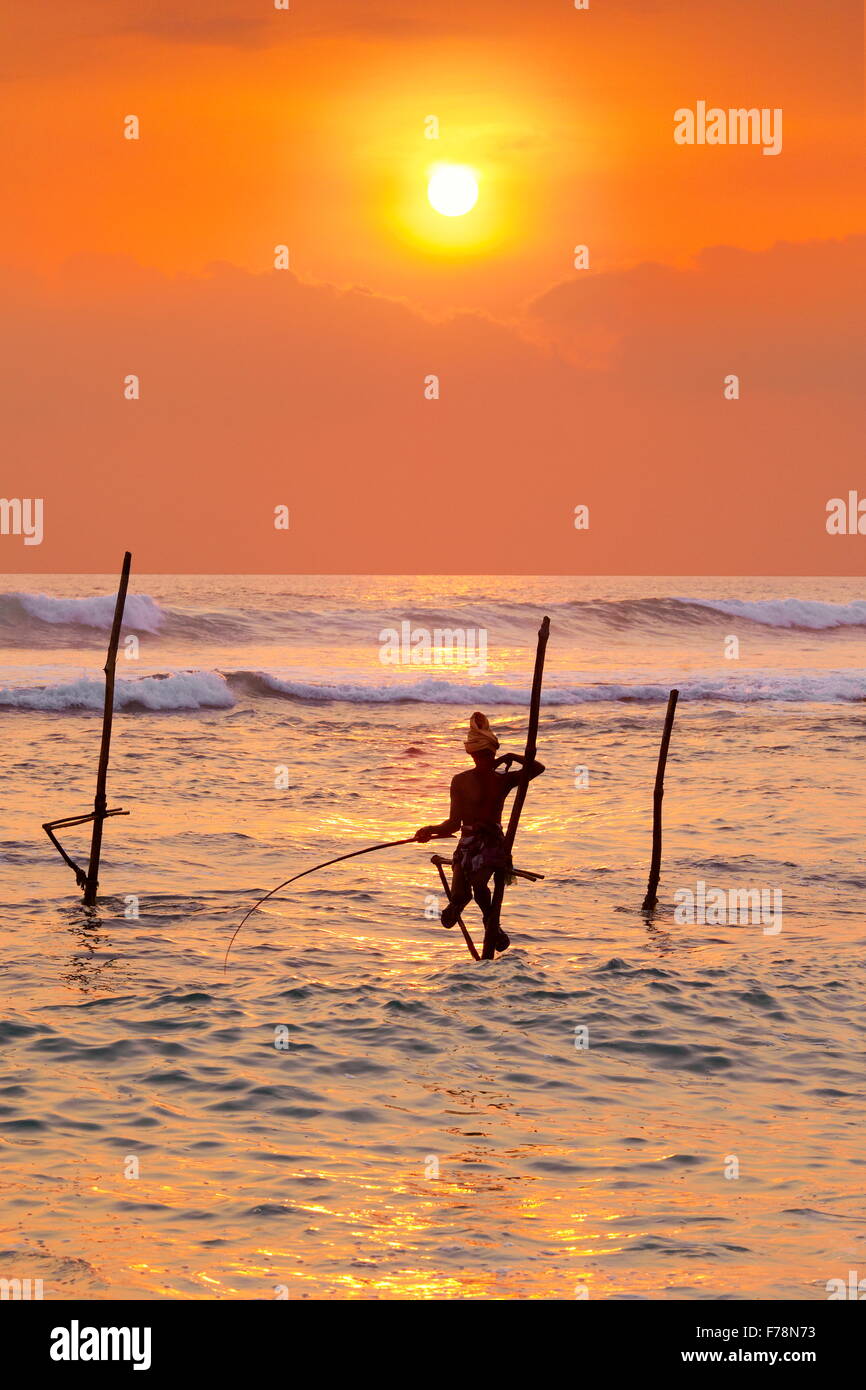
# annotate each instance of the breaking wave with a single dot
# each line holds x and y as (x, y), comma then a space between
(28, 611)
(810, 614)
(755, 686)
(192, 690)
(180, 690)
(40, 620)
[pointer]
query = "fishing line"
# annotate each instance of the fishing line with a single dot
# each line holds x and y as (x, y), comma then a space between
(390, 844)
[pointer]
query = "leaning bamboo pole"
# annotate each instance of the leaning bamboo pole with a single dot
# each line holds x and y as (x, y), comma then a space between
(100, 805)
(651, 899)
(438, 861)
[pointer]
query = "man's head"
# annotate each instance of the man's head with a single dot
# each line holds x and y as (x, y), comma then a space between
(481, 742)
(484, 757)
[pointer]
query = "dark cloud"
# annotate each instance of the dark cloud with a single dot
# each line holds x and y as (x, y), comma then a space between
(792, 318)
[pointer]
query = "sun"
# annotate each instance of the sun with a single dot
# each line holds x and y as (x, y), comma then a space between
(452, 189)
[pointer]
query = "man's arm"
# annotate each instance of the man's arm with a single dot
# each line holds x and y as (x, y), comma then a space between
(535, 769)
(448, 827)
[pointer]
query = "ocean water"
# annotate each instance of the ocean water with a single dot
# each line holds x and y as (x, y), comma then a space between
(625, 1105)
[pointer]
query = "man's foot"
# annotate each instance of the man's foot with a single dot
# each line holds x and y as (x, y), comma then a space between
(502, 941)
(448, 917)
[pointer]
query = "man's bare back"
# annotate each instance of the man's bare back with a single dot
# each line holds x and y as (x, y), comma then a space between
(478, 795)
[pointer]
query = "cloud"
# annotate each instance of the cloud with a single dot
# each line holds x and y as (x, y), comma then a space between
(791, 318)
(256, 390)
(235, 23)
(260, 390)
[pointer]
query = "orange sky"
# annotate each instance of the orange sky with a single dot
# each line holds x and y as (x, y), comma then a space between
(558, 386)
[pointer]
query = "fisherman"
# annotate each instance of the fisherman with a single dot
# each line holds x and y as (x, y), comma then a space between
(477, 798)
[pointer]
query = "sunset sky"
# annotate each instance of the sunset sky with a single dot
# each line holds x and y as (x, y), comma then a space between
(558, 386)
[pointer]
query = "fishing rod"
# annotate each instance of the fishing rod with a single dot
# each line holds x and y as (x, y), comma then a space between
(390, 844)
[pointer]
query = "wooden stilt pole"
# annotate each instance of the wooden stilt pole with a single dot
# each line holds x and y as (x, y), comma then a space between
(99, 803)
(492, 926)
(650, 900)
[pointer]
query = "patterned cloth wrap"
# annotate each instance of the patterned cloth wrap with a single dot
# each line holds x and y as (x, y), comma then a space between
(481, 850)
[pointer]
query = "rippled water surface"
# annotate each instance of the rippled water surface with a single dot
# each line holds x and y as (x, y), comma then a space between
(355, 1109)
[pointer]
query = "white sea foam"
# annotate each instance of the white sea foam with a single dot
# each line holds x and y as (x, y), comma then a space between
(179, 690)
(26, 616)
(191, 690)
(746, 688)
(788, 612)
(141, 613)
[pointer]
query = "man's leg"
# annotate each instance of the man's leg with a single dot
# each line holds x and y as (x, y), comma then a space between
(461, 893)
(481, 894)
(494, 936)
